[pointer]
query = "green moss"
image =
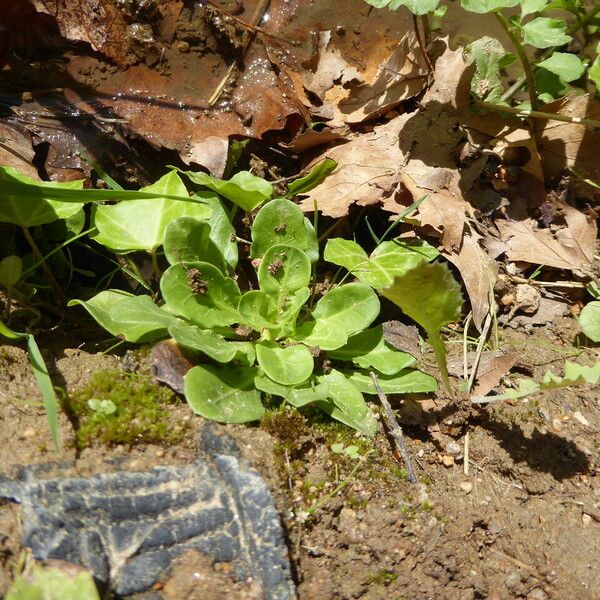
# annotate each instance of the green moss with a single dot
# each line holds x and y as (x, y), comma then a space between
(382, 577)
(286, 425)
(121, 408)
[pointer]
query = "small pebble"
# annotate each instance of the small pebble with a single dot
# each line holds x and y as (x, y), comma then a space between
(586, 519)
(466, 486)
(29, 432)
(577, 415)
(183, 47)
(453, 448)
(447, 460)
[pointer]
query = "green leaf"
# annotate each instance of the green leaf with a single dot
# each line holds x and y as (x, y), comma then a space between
(567, 66)
(244, 189)
(589, 319)
(408, 381)
(11, 269)
(317, 175)
(288, 365)
(593, 289)
(369, 349)
(543, 32)
(53, 583)
(201, 293)
(387, 261)
(222, 232)
(40, 372)
(529, 7)
(134, 318)
(212, 344)
(104, 407)
(347, 404)
(548, 85)
(225, 394)
(340, 313)
(429, 295)
(594, 69)
(417, 7)
(490, 59)
(282, 222)
(27, 202)
(486, 6)
(188, 240)
(258, 310)
(141, 225)
(296, 396)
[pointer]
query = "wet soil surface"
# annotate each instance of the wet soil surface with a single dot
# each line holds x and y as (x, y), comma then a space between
(523, 521)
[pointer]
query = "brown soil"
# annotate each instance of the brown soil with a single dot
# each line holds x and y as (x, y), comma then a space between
(523, 522)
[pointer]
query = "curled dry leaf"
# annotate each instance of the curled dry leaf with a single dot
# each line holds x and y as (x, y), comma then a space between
(16, 150)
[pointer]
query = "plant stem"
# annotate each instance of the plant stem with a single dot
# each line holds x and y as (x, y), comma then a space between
(514, 38)
(422, 43)
(539, 114)
(41, 261)
(518, 84)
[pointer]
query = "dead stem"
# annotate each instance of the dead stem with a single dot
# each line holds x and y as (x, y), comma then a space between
(395, 430)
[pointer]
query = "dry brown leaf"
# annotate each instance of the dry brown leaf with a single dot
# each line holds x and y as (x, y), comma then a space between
(402, 337)
(367, 171)
(211, 154)
(16, 150)
(478, 272)
(526, 242)
(493, 365)
(548, 311)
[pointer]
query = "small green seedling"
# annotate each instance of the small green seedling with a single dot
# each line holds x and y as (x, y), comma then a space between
(350, 451)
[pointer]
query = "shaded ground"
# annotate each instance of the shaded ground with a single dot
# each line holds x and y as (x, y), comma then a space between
(524, 522)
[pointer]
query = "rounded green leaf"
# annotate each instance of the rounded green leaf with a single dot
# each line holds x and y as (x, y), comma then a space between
(222, 232)
(141, 225)
(283, 270)
(11, 269)
(225, 394)
(244, 189)
(282, 222)
(258, 310)
(543, 32)
(212, 344)
(567, 66)
(134, 318)
(188, 240)
(368, 349)
(288, 365)
(486, 6)
(589, 319)
(340, 313)
(201, 293)
(416, 7)
(30, 206)
(408, 381)
(347, 404)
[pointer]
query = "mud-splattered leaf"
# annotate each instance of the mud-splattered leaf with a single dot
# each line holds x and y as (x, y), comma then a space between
(490, 59)
(417, 7)
(225, 394)
(282, 222)
(201, 293)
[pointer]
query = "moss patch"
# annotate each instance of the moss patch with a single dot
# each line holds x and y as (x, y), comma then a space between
(122, 408)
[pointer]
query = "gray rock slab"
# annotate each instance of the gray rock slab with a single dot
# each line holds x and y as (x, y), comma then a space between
(126, 527)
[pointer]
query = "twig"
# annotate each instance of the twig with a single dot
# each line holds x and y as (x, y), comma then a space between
(519, 112)
(466, 455)
(548, 284)
(395, 430)
(247, 38)
(482, 339)
(465, 346)
(422, 45)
